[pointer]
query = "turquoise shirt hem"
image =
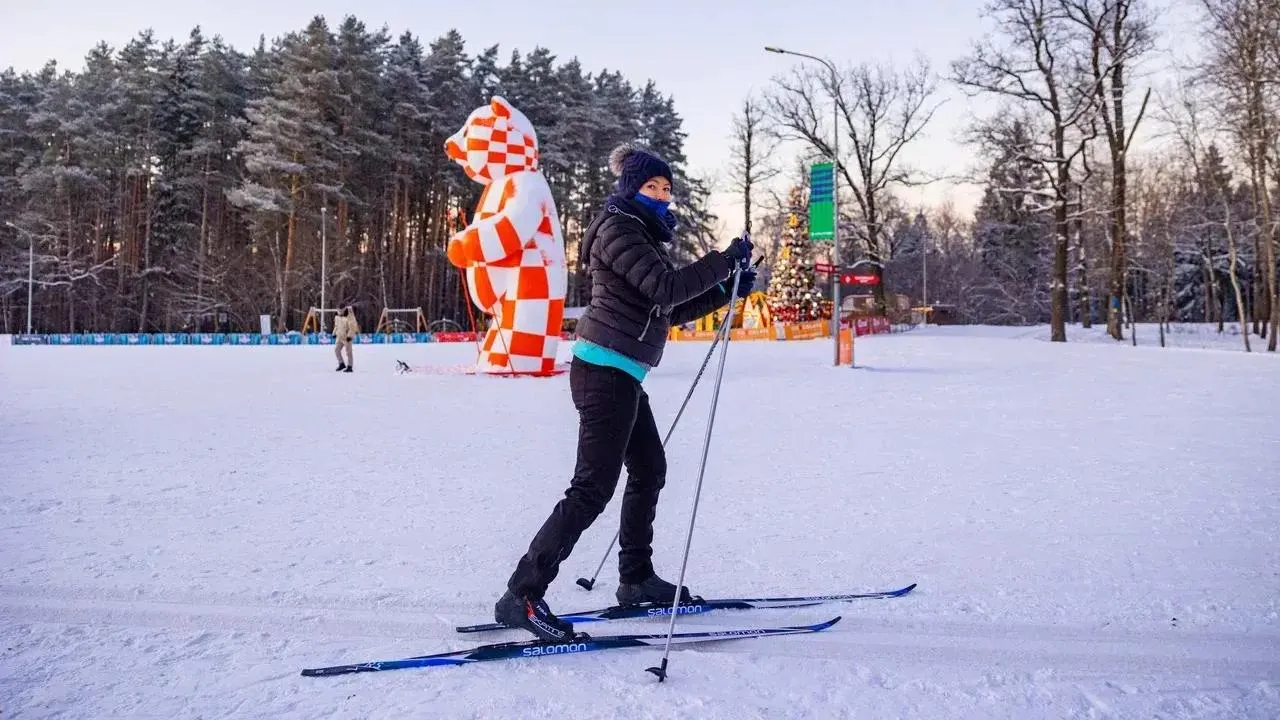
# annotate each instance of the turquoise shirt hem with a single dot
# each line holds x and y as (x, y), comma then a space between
(599, 355)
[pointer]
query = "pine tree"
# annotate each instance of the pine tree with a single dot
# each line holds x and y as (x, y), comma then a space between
(180, 111)
(20, 149)
(173, 179)
(1012, 236)
(793, 292)
(290, 152)
(660, 130)
(69, 194)
(223, 83)
(1200, 252)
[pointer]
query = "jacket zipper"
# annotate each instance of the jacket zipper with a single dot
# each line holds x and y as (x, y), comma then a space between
(657, 309)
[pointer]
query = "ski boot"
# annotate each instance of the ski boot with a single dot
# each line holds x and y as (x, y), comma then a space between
(532, 615)
(653, 590)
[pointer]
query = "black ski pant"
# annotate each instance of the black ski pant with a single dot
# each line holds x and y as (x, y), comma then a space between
(615, 429)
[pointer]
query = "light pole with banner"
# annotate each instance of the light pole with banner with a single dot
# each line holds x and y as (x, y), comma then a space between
(835, 195)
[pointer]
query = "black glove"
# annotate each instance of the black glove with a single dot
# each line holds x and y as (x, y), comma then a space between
(739, 250)
(746, 283)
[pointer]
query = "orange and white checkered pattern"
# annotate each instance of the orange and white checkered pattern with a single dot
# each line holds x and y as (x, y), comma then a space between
(513, 250)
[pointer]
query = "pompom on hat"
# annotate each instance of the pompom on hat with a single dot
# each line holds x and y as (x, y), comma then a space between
(635, 165)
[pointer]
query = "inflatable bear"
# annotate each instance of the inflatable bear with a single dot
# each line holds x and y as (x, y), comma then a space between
(513, 250)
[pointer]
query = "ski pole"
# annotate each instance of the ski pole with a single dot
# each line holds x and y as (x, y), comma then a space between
(661, 670)
(723, 330)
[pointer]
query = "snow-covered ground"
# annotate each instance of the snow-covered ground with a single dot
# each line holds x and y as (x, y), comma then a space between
(1095, 532)
(1179, 336)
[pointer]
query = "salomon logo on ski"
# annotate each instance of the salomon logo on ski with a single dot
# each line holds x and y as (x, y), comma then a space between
(682, 610)
(555, 649)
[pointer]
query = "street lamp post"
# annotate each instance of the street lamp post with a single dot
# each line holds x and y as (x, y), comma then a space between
(324, 258)
(924, 265)
(925, 292)
(31, 268)
(31, 276)
(835, 197)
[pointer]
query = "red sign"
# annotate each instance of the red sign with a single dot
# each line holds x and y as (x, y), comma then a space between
(851, 279)
(870, 325)
(824, 268)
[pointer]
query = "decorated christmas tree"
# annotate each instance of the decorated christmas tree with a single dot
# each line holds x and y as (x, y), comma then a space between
(793, 291)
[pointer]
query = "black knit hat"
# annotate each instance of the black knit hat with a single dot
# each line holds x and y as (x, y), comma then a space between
(634, 166)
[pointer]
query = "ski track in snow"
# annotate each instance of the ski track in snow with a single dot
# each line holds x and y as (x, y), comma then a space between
(183, 529)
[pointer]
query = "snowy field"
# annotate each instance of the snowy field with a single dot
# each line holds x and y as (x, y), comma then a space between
(1178, 336)
(1095, 530)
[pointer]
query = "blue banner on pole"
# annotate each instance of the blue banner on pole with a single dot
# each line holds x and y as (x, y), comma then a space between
(821, 183)
(821, 202)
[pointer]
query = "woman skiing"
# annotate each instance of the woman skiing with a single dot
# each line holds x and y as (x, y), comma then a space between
(637, 294)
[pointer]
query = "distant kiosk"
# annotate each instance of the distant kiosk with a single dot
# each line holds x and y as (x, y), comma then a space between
(390, 321)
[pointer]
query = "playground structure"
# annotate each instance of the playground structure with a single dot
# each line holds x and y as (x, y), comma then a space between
(389, 321)
(315, 320)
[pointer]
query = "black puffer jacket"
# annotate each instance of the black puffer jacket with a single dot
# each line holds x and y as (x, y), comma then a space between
(637, 293)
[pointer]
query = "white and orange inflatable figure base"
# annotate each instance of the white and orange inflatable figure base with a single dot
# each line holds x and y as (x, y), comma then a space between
(403, 368)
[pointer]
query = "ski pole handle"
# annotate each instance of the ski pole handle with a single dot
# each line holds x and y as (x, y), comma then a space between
(743, 267)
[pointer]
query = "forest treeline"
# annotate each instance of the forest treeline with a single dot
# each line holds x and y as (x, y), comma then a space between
(182, 185)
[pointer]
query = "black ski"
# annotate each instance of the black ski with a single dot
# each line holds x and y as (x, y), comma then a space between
(534, 649)
(701, 606)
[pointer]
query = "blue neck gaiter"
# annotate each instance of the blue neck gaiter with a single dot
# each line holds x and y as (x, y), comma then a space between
(659, 208)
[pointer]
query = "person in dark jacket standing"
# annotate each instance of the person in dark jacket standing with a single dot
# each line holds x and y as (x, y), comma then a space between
(637, 294)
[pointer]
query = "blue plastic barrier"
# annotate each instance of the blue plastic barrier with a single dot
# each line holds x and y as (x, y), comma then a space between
(291, 338)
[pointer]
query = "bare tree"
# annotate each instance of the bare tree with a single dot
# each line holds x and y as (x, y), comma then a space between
(17, 247)
(953, 271)
(1220, 211)
(46, 262)
(1081, 213)
(770, 222)
(1116, 34)
(883, 110)
(751, 157)
(1155, 196)
(1182, 113)
(1034, 67)
(1230, 226)
(1244, 45)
